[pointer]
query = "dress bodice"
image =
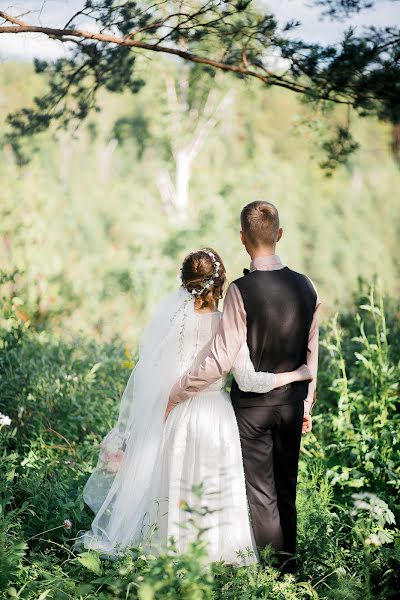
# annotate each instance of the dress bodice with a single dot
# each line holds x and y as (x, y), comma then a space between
(197, 343)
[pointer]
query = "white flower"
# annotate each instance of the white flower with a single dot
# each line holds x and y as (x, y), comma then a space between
(373, 540)
(67, 524)
(194, 292)
(4, 419)
(361, 504)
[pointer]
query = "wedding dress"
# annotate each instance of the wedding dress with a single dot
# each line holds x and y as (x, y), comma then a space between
(157, 481)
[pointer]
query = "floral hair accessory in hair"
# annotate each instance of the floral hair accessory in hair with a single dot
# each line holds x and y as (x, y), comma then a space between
(208, 281)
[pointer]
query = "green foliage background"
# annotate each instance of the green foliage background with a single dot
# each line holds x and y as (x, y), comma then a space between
(86, 252)
(91, 233)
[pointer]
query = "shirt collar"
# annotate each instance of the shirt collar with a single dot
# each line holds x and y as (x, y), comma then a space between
(266, 263)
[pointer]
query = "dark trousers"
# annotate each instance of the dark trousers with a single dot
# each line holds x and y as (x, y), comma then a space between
(270, 438)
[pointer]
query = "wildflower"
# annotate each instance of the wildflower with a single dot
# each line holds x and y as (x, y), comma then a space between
(4, 419)
(128, 363)
(22, 315)
(67, 524)
(373, 540)
(362, 505)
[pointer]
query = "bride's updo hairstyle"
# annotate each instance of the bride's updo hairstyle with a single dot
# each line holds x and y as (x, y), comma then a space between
(203, 275)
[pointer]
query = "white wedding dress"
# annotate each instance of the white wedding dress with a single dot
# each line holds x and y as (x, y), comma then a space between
(157, 481)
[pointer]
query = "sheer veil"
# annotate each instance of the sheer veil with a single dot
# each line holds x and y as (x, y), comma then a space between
(119, 491)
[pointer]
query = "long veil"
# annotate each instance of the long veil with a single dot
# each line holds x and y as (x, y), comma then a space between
(119, 491)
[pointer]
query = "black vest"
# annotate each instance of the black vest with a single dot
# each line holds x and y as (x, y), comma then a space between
(279, 308)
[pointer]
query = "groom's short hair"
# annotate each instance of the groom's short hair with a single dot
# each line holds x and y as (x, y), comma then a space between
(260, 223)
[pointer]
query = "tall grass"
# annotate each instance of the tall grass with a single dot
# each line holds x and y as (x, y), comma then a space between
(62, 392)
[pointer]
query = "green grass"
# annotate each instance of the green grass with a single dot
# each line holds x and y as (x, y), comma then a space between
(62, 394)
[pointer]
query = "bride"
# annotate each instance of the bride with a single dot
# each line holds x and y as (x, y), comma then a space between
(159, 481)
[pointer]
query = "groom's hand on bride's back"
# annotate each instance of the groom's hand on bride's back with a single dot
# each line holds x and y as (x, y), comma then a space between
(307, 424)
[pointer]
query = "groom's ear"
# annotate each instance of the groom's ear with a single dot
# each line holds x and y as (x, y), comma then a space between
(280, 234)
(242, 237)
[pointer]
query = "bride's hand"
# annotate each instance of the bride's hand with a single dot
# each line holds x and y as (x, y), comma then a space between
(170, 406)
(304, 373)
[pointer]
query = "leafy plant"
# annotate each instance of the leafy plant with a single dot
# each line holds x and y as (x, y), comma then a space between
(61, 394)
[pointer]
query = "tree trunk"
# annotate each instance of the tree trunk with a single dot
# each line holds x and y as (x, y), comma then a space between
(182, 177)
(106, 155)
(186, 146)
(395, 142)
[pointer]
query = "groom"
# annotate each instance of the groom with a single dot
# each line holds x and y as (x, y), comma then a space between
(275, 310)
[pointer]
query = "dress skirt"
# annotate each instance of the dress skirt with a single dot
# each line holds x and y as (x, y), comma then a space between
(199, 485)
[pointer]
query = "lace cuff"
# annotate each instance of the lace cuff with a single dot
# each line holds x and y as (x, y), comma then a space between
(247, 378)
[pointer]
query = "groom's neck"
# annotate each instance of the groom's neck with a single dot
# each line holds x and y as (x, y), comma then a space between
(261, 251)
